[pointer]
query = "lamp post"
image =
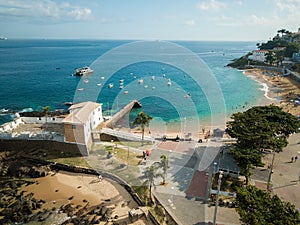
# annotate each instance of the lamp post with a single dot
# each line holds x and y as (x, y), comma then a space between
(217, 197)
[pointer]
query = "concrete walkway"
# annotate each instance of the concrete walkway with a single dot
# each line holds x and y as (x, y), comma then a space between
(285, 177)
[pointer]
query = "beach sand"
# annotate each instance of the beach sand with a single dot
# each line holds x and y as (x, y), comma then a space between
(62, 188)
(279, 90)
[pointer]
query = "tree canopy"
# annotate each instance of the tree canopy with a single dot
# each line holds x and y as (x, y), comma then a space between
(259, 128)
(257, 207)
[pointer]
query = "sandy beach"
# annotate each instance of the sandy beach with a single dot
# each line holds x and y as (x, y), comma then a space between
(279, 90)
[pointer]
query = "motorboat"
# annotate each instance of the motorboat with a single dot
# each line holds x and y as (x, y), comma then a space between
(153, 77)
(125, 92)
(99, 84)
(141, 81)
(83, 71)
(111, 85)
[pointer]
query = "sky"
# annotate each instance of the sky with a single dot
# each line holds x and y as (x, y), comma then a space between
(214, 20)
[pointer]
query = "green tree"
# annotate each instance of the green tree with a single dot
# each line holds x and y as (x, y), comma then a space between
(259, 128)
(45, 111)
(257, 207)
(270, 57)
(164, 164)
(142, 120)
(151, 174)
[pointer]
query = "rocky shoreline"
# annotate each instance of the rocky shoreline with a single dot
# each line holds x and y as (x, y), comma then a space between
(24, 172)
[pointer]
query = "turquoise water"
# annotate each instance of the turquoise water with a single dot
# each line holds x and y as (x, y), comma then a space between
(36, 73)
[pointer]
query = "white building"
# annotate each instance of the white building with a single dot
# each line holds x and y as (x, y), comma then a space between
(259, 55)
(78, 125)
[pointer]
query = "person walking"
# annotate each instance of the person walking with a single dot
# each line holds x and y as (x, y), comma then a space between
(296, 157)
(292, 159)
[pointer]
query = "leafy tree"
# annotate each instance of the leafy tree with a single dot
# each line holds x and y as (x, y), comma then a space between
(142, 120)
(257, 207)
(270, 57)
(259, 128)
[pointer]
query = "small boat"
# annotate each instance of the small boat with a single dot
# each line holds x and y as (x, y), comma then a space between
(3, 110)
(68, 103)
(153, 88)
(153, 77)
(121, 86)
(125, 92)
(169, 82)
(141, 81)
(80, 89)
(83, 71)
(164, 75)
(146, 86)
(111, 85)
(99, 84)
(102, 78)
(121, 81)
(85, 81)
(3, 38)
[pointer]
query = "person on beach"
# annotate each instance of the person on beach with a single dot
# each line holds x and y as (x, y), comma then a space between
(100, 177)
(292, 159)
(296, 157)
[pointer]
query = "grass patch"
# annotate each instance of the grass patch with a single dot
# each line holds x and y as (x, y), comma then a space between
(73, 161)
(124, 155)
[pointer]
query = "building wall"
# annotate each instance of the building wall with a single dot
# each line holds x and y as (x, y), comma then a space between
(42, 120)
(74, 133)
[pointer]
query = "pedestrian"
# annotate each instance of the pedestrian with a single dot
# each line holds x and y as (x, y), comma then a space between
(100, 177)
(292, 159)
(296, 157)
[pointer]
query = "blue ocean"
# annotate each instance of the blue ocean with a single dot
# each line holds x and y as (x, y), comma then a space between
(38, 73)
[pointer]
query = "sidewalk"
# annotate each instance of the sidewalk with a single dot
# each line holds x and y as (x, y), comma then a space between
(285, 179)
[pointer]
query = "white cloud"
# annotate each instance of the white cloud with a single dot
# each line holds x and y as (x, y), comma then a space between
(43, 10)
(211, 5)
(190, 22)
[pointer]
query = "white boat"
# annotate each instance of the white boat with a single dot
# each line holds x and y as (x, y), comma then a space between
(121, 81)
(3, 110)
(146, 86)
(86, 81)
(102, 78)
(169, 82)
(153, 77)
(99, 84)
(125, 92)
(83, 71)
(111, 85)
(80, 89)
(121, 86)
(141, 81)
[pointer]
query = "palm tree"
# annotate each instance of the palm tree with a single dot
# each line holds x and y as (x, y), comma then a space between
(165, 166)
(151, 173)
(45, 111)
(142, 120)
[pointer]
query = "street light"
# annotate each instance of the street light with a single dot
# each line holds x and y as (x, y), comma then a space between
(217, 197)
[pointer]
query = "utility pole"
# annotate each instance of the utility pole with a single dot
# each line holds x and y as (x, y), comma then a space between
(217, 197)
(270, 173)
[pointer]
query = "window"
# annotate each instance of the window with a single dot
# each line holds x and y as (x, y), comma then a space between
(73, 127)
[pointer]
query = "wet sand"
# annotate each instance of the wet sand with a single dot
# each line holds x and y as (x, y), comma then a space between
(279, 90)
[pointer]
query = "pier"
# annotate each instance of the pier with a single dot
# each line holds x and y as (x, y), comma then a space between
(120, 114)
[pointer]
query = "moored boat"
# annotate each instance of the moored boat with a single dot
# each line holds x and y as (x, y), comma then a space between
(83, 71)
